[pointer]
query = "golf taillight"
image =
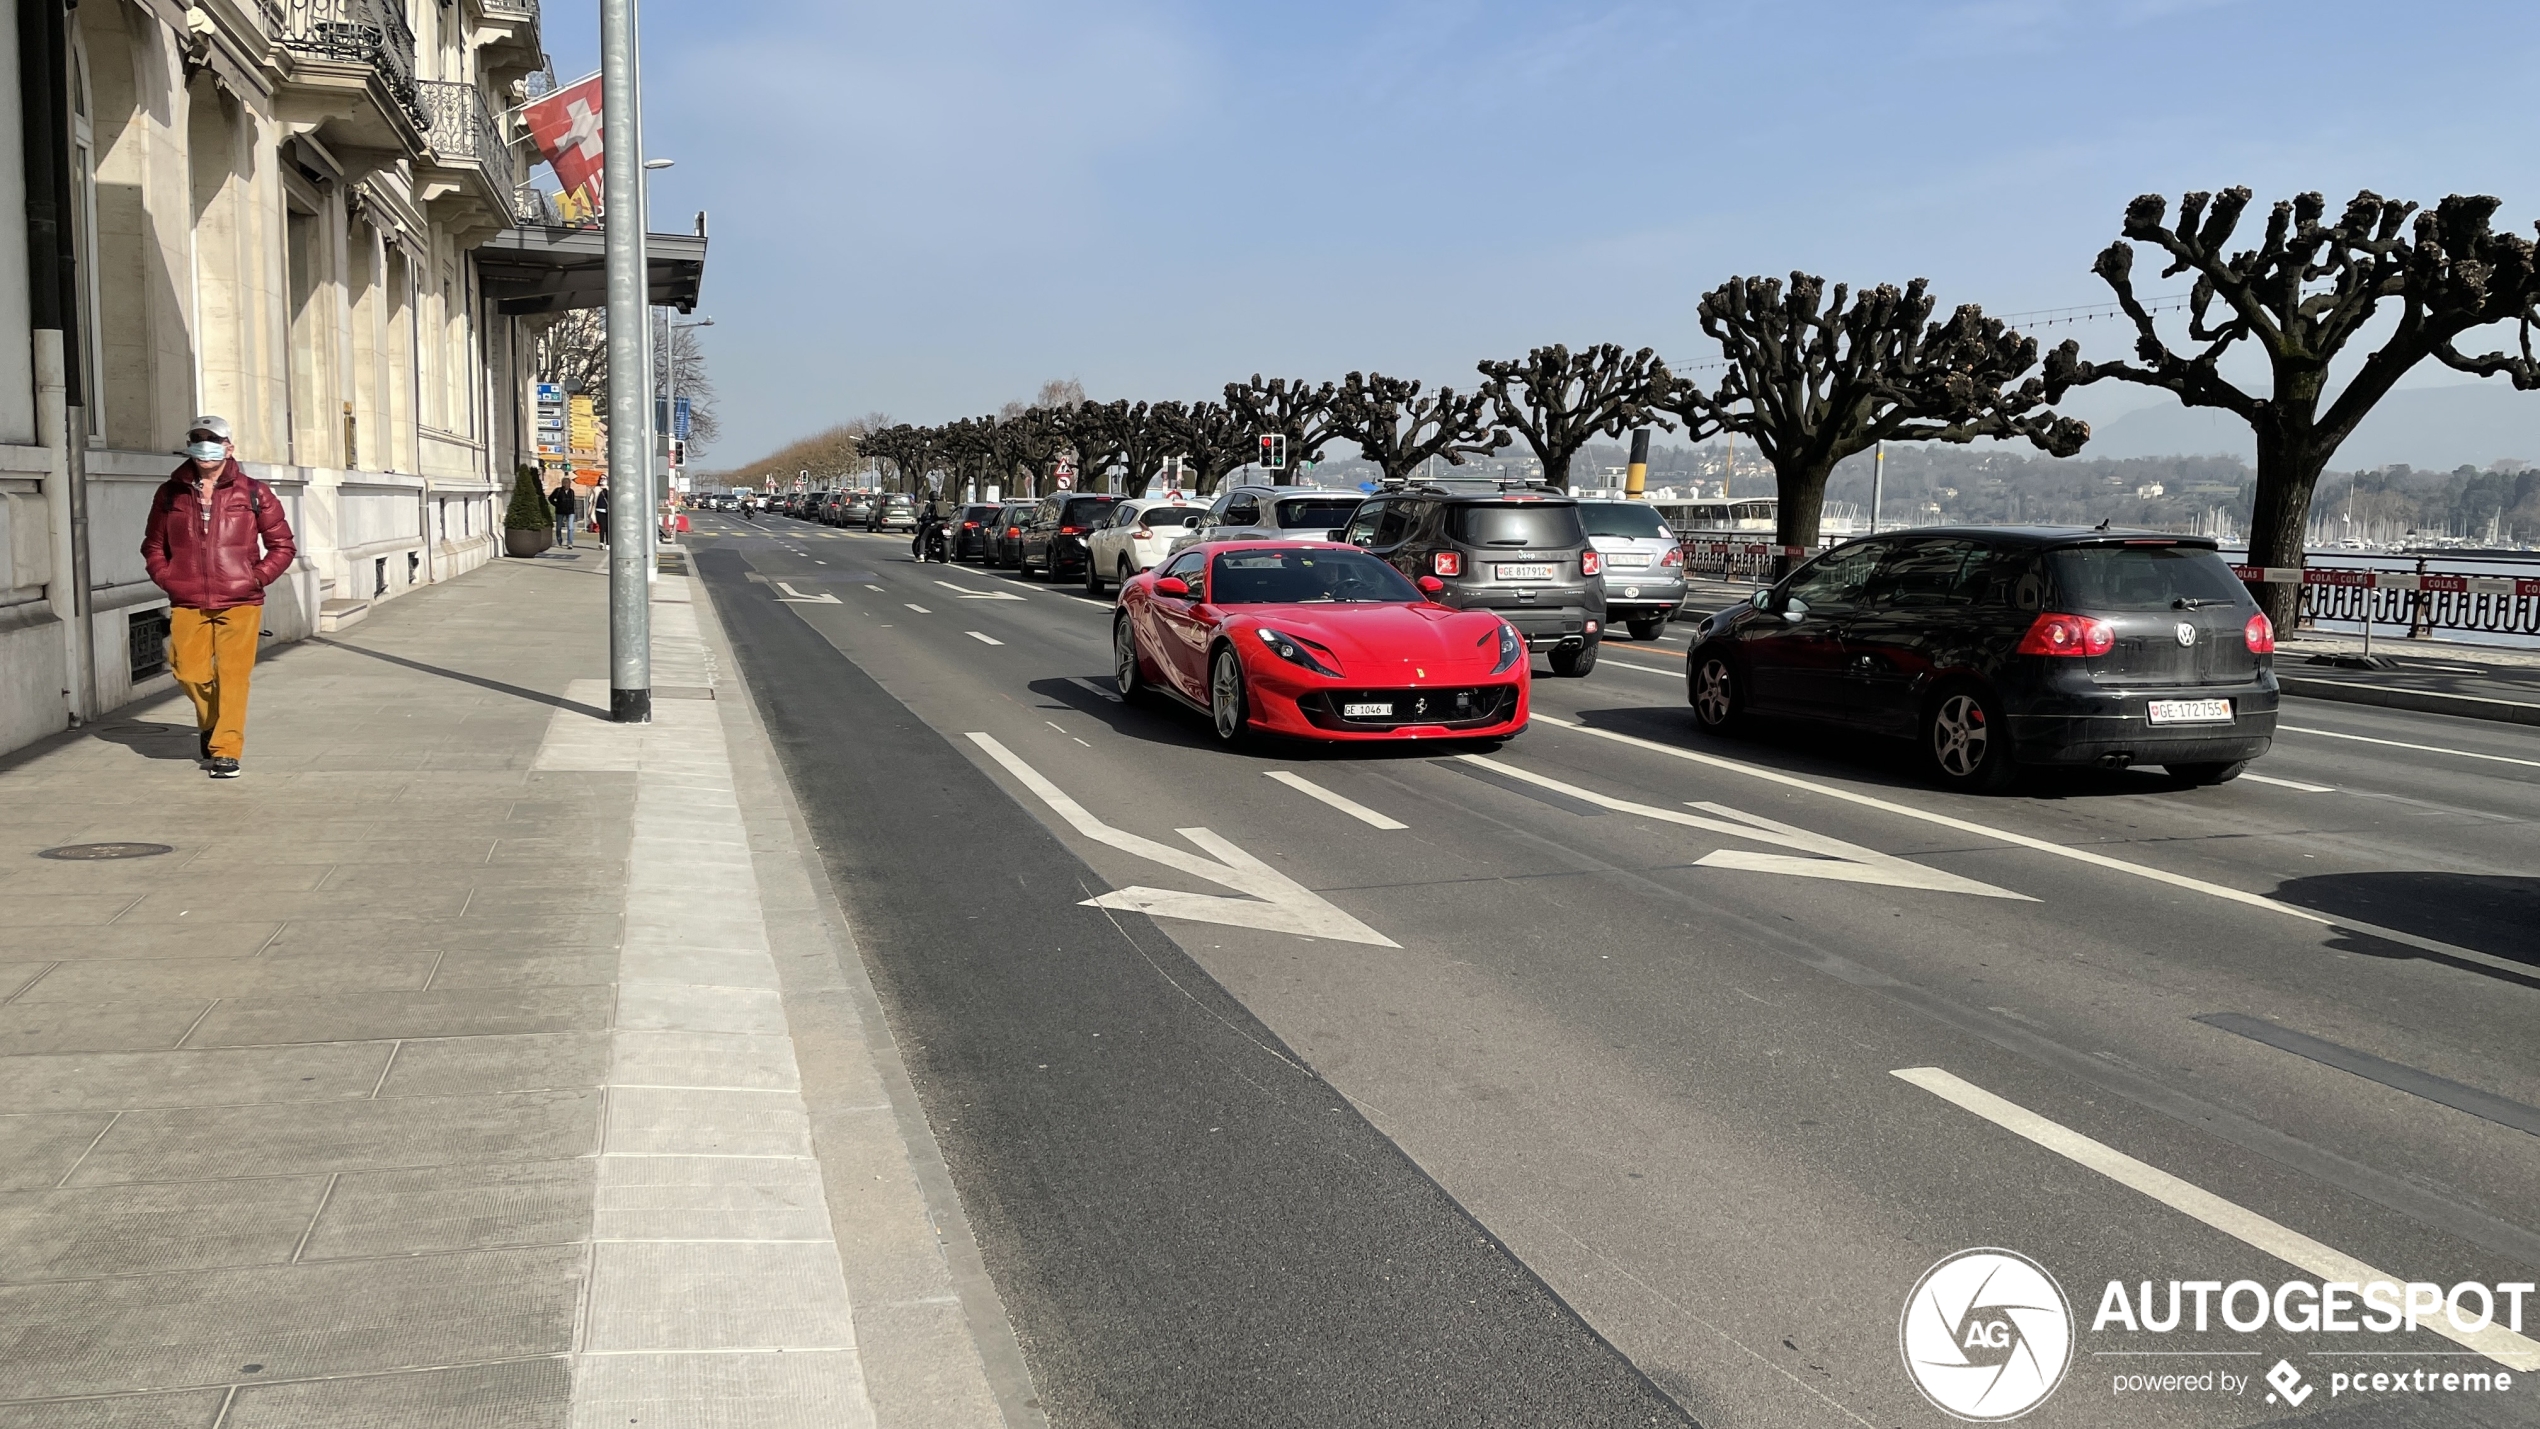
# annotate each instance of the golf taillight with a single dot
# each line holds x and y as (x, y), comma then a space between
(1447, 563)
(2260, 633)
(1675, 556)
(1014, 530)
(2053, 634)
(1590, 563)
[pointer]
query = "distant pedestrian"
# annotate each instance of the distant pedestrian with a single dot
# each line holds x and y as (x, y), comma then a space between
(215, 539)
(562, 499)
(600, 512)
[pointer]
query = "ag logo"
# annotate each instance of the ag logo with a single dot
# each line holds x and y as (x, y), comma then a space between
(1987, 1335)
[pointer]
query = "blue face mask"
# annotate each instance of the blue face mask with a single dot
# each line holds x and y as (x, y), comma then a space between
(205, 451)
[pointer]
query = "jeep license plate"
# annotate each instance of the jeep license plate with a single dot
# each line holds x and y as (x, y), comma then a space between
(1526, 571)
(1366, 711)
(2190, 711)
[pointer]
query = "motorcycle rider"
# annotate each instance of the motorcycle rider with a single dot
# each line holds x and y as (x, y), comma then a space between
(930, 522)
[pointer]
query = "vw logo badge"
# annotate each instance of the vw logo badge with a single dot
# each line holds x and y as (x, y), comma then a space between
(2186, 633)
(1987, 1335)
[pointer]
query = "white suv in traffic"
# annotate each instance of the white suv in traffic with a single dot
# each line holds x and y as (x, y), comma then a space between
(1136, 537)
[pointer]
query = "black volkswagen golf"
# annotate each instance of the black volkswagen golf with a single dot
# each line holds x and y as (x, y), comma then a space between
(1994, 647)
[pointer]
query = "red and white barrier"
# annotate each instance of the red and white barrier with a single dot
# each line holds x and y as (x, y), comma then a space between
(2387, 580)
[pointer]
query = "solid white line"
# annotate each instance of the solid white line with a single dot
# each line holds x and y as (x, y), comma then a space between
(1644, 669)
(2323, 1262)
(983, 639)
(2403, 744)
(1351, 807)
(2288, 784)
(913, 605)
(2078, 855)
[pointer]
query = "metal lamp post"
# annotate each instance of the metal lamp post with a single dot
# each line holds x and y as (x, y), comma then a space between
(631, 558)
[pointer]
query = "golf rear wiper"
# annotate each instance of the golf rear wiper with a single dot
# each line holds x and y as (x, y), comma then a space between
(2197, 602)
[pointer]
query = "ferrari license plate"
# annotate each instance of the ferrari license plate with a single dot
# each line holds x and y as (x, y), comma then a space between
(1374, 711)
(2190, 711)
(1523, 571)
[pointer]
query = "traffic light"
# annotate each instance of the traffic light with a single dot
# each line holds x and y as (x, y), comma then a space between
(1274, 450)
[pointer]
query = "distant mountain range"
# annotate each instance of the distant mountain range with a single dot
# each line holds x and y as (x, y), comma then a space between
(2430, 428)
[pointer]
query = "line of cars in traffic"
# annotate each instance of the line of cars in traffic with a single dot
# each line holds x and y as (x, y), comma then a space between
(1412, 613)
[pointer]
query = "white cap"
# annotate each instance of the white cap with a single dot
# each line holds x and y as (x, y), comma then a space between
(217, 426)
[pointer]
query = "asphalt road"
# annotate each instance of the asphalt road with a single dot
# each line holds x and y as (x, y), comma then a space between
(1575, 1098)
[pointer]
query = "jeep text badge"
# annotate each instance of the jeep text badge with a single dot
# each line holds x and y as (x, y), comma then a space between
(1987, 1335)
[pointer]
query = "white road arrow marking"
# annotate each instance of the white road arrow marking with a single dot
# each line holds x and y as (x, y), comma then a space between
(1830, 857)
(968, 594)
(792, 595)
(1274, 902)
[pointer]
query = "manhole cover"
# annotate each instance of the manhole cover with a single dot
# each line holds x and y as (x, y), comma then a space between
(89, 852)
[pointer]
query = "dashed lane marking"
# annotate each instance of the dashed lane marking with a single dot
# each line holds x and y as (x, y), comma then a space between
(913, 605)
(1351, 807)
(1088, 685)
(2077, 855)
(983, 639)
(2294, 784)
(2326, 1263)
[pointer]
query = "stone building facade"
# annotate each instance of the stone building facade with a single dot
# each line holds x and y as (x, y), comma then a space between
(270, 210)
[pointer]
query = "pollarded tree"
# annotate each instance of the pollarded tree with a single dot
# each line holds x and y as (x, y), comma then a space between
(2305, 292)
(903, 446)
(1091, 431)
(1213, 440)
(1397, 428)
(1294, 410)
(1027, 445)
(1559, 401)
(1812, 381)
(1147, 432)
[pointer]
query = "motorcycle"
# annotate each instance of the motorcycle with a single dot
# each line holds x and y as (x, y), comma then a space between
(934, 543)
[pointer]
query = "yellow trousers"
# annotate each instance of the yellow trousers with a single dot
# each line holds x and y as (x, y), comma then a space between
(212, 653)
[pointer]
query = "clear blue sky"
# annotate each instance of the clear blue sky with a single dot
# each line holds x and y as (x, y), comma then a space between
(928, 209)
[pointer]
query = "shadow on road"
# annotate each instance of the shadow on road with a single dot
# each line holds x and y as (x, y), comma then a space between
(155, 741)
(2494, 914)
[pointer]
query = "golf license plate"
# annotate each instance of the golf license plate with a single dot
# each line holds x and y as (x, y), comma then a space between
(2190, 711)
(1375, 711)
(1523, 570)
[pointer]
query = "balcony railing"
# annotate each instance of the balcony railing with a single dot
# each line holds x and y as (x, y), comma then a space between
(460, 126)
(523, 9)
(371, 32)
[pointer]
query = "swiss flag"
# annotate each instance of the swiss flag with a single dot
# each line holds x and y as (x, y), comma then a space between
(565, 125)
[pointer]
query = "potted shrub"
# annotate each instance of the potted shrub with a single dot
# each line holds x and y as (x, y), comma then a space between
(529, 524)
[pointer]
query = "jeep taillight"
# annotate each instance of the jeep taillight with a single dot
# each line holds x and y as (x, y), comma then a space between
(1590, 563)
(2053, 634)
(2260, 633)
(1447, 563)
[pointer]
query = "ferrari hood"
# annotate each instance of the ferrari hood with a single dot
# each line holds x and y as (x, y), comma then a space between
(1390, 642)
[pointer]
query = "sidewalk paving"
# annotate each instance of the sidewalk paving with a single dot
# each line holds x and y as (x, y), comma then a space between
(470, 1060)
(2493, 682)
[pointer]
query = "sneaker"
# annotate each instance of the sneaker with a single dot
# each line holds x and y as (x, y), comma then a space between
(203, 742)
(224, 768)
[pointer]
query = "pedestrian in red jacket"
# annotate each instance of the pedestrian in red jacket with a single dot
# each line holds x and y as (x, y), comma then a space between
(216, 538)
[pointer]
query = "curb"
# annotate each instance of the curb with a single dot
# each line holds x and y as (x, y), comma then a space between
(2355, 692)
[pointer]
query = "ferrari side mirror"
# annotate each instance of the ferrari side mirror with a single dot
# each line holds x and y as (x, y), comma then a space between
(1431, 586)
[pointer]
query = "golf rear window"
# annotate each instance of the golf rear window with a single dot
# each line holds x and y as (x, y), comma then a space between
(2089, 579)
(1529, 524)
(1622, 518)
(1319, 513)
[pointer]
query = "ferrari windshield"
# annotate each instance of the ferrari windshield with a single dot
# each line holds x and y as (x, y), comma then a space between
(1319, 575)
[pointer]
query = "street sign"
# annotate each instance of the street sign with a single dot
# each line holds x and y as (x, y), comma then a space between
(1066, 479)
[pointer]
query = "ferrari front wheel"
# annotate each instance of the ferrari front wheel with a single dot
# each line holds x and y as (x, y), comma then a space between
(1228, 702)
(1125, 674)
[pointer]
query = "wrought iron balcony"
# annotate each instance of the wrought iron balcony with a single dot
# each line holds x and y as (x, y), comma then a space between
(462, 128)
(522, 9)
(371, 32)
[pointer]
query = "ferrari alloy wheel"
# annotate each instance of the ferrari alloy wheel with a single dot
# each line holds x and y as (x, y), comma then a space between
(1226, 697)
(1124, 662)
